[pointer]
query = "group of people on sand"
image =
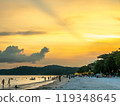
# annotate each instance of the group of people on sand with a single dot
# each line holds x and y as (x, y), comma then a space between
(9, 83)
(49, 78)
(3, 82)
(45, 79)
(67, 76)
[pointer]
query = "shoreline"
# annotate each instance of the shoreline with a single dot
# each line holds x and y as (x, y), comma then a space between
(44, 85)
(54, 85)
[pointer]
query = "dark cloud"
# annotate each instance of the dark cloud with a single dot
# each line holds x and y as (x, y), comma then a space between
(21, 33)
(13, 54)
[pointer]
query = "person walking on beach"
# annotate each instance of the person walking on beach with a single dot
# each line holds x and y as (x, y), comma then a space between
(3, 82)
(59, 78)
(69, 76)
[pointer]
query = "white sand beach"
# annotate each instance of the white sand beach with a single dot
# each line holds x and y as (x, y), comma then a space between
(86, 83)
(77, 83)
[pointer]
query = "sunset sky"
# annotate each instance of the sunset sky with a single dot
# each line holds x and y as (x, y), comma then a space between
(74, 31)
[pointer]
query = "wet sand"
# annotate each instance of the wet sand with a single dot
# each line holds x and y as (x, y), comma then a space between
(24, 82)
(42, 85)
(53, 86)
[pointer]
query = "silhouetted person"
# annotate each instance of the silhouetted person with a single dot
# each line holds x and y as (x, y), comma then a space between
(3, 82)
(44, 78)
(48, 78)
(9, 82)
(69, 76)
(59, 78)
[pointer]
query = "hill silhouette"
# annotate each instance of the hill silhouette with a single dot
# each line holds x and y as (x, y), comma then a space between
(46, 70)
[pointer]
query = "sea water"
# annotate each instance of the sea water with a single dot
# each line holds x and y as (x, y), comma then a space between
(24, 81)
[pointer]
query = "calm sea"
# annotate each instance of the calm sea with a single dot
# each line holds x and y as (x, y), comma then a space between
(24, 81)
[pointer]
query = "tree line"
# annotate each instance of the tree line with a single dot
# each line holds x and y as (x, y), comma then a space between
(108, 64)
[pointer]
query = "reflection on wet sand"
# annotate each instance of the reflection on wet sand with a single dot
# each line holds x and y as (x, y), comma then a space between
(25, 82)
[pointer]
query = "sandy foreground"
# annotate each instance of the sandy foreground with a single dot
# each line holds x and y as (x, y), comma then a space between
(86, 83)
(77, 83)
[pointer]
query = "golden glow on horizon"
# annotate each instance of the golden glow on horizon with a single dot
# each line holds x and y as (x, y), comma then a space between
(74, 28)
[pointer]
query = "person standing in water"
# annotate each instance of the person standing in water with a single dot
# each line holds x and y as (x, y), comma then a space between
(44, 78)
(3, 82)
(9, 82)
